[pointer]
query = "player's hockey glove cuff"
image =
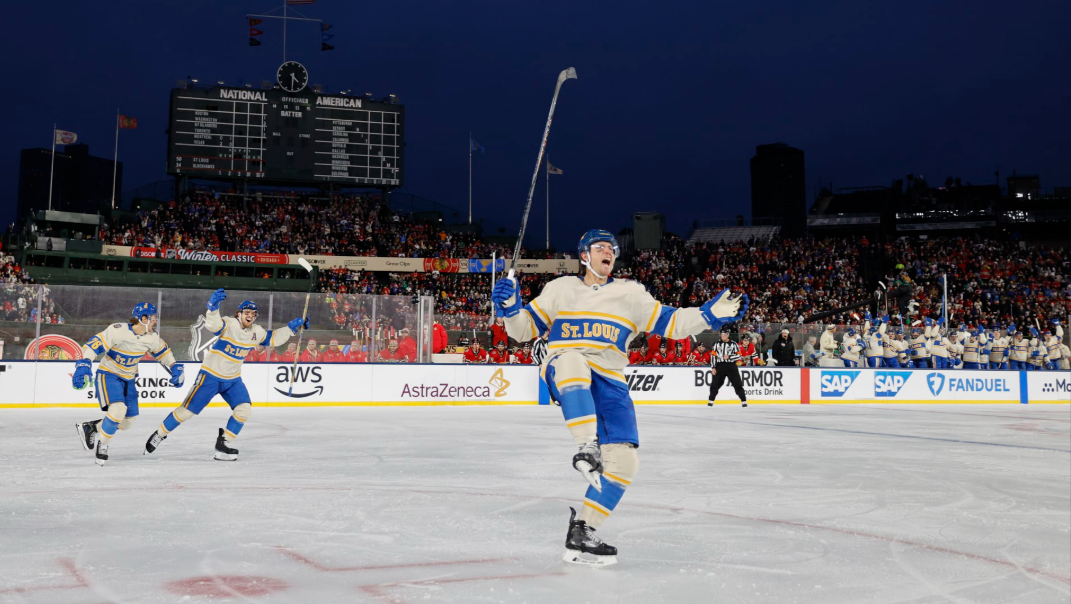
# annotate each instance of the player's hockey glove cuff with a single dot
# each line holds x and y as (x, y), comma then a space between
(724, 308)
(507, 301)
(298, 323)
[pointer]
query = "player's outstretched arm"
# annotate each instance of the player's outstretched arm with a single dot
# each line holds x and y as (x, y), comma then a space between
(213, 320)
(679, 323)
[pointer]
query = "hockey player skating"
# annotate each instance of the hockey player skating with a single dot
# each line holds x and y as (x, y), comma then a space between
(221, 372)
(724, 365)
(122, 345)
(592, 318)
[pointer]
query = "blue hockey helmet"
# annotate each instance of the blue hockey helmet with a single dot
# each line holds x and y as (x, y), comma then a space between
(249, 305)
(594, 236)
(851, 331)
(143, 309)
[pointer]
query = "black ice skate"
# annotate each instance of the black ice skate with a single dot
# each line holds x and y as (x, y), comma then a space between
(87, 434)
(154, 442)
(743, 403)
(588, 461)
(102, 452)
(223, 452)
(582, 546)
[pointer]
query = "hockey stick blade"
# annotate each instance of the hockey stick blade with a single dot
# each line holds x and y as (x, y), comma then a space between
(593, 477)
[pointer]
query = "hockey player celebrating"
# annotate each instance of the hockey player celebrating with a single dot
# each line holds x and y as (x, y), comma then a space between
(221, 372)
(123, 346)
(998, 351)
(1019, 351)
(1052, 346)
(850, 347)
(920, 349)
(592, 318)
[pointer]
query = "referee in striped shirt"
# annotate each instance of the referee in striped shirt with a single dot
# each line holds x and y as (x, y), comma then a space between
(723, 358)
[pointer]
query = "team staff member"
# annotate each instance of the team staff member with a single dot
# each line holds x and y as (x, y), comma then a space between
(723, 358)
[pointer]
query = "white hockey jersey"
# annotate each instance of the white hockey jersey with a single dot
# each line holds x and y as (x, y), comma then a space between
(1019, 349)
(123, 350)
(972, 348)
(224, 359)
(850, 348)
(599, 321)
(998, 349)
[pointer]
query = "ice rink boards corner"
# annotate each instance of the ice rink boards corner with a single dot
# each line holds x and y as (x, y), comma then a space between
(47, 384)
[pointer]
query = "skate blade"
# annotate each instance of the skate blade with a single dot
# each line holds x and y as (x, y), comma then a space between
(224, 456)
(82, 438)
(100, 462)
(575, 557)
(593, 478)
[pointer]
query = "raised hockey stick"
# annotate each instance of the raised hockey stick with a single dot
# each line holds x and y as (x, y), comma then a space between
(305, 316)
(566, 74)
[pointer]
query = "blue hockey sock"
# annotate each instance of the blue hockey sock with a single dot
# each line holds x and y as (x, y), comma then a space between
(170, 423)
(234, 426)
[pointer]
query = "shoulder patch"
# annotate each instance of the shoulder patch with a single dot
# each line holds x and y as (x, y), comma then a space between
(118, 325)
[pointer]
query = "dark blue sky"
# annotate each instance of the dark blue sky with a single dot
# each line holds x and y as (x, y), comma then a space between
(672, 97)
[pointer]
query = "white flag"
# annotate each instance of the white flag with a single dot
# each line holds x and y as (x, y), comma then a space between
(63, 137)
(552, 170)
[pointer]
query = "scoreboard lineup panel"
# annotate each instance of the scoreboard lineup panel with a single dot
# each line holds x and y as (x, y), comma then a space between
(278, 136)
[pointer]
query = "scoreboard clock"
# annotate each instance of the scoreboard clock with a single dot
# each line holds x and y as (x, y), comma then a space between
(289, 134)
(292, 76)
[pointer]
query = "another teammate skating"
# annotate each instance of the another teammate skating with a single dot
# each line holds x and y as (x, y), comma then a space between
(591, 319)
(221, 372)
(123, 346)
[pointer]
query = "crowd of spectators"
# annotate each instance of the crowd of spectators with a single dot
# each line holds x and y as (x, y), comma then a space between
(18, 295)
(343, 225)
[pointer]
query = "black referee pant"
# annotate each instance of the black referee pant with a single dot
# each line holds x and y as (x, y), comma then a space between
(731, 371)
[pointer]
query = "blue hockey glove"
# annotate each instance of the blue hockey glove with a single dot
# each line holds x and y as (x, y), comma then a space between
(886, 319)
(1056, 321)
(928, 322)
(178, 375)
(1034, 332)
(506, 299)
(217, 296)
(1035, 353)
(83, 372)
(298, 323)
(1011, 328)
(963, 327)
(941, 321)
(724, 308)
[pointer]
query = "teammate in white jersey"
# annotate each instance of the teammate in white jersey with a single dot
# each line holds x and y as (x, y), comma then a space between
(122, 345)
(592, 318)
(1052, 346)
(827, 349)
(850, 348)
(221, 372)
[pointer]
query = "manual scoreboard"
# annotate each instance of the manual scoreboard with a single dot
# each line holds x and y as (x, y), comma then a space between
(280, 136)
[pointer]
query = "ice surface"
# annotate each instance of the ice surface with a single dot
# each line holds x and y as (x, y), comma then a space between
(818, 504)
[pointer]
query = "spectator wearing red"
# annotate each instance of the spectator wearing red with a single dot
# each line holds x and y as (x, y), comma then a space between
(524, 355)
(638, 356)
(333, 354)
(678, 356)
(475, 354)
(407, 345)
(356, 354)
(747, 352)
(311, 354)
(439, 338)
(256, 355)
(662, 357)
(700, 356)
(498, 333)
(393, 354)
(499, 356)
(288, 356)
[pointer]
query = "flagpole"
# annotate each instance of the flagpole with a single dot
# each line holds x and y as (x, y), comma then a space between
(115, 163)
(548, 201)
(470, 178)
(284, 34)
(52, 168)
